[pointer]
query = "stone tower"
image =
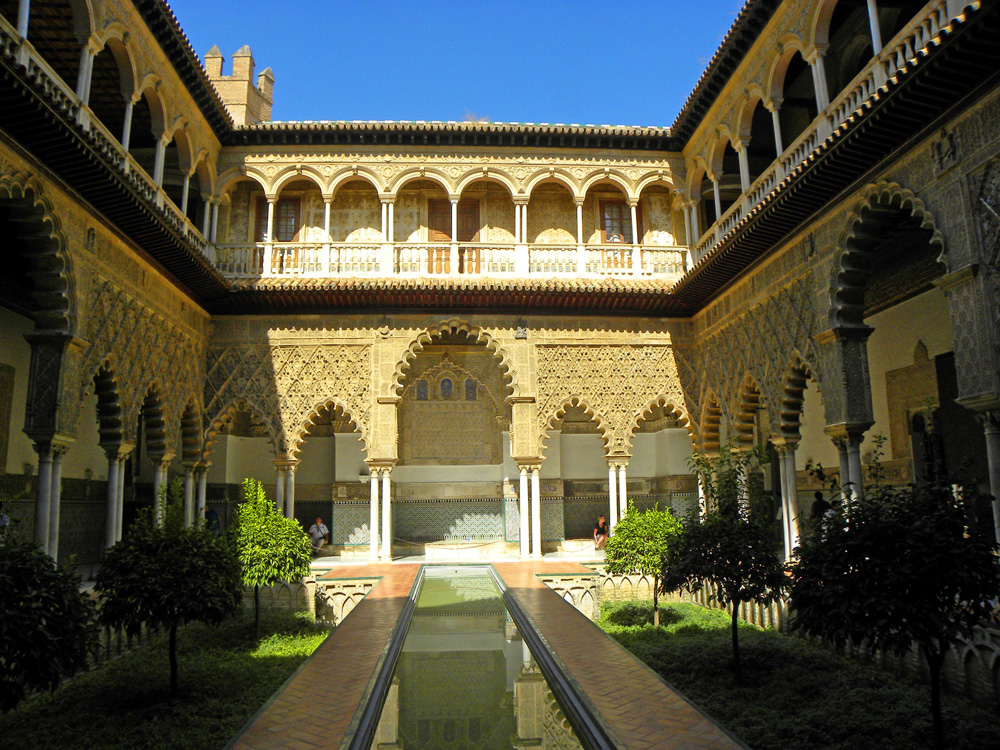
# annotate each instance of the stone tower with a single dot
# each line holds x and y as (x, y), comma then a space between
(246, 103)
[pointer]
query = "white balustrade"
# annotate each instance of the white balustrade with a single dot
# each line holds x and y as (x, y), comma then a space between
(239, 261)
(663, 261)
(350, 259)
(552, 259)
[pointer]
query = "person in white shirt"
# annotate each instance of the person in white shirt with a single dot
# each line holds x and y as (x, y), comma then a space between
(319, 534)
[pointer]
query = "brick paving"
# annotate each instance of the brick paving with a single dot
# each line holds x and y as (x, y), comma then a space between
(318, 705)
(641, 711)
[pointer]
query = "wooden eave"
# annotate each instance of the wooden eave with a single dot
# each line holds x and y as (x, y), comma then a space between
(950, 74)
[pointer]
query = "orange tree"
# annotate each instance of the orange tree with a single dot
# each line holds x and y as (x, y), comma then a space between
(901, 568)
(732, 546)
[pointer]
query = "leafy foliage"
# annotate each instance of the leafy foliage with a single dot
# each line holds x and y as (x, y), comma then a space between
(124, 704)
(795, 695)
(732, 547)
(47, 626)
(270, 547)
(166, 575)
(897, 569)
(639, 544)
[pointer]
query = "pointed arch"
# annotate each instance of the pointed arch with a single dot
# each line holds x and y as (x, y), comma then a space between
(885, 206)
(39, 232)
(191, 436)
(794, 381)
(454, 326)
(747, 410)
(574, 401)
(157, 442)
(330, 404)
(224, 417)
(711, 424)
(109, 407)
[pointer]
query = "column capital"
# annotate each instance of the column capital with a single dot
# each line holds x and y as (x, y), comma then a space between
(454, 197)
(521, 200)
(389, 198)
(327, 198)
(285, 462)
(847, 431)
(381, 464)
(618, 462)
(773, 104)
(389, 400)
(527, 464)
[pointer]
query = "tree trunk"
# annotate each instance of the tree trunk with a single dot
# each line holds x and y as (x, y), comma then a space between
(173, 660)
(737, 667)
(256, 612)
(656, 607)
(935, 660)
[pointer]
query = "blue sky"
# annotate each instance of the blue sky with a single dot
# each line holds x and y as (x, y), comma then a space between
(616, 62)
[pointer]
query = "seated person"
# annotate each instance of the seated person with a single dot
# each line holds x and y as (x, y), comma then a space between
(600, 533)
(319, 534)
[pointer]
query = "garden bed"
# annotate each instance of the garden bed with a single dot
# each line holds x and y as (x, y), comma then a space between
(225, 675)
(795, 695)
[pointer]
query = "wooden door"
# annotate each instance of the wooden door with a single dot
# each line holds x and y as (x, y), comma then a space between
(469, 260)
(438, 233)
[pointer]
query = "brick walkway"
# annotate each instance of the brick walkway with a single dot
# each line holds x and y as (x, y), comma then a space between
(318, 705)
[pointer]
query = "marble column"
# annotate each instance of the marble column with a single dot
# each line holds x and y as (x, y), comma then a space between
(523, 504)
(161, 150)
(188, 495)
(43, 493)
(127, 127)
(622, 491)
(793, 497)
(201, 471)
(279, 487)
(612, 497)
(55, 501)
(120, 511)
(785, 529)
(373, 514)
(991, 426)
(386, 515)
(111, 520)
(23, 11)
(536, 514)
(290, 491)
(160, 464)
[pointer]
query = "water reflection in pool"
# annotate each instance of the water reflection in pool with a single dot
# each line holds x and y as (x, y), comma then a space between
(465, 679)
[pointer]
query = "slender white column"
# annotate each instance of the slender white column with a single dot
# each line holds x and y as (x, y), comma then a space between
(386, 516)
(23, 8)
(991, 426)
(845, 469)
(854, 462)
(634, 210)
(55, 502)
(373, 511)
(718, 199)
(517, 223)
(793, 500)
(158, 471)
(111, 522)
(127, 127)
(873, 25)
(391, 227)
(785, 527)
(290, 492)
(581, 251)
(536, 514)
(215, 221)
(622, 493)
(279, 489)
(269, 235)
(188, 495)
(523, 512)
(695, 224)
(184, 194)
(741, 154)
(776, 124)
(687, 225)
(84, 74)
(612, 497)
(206, 219)
(43, 494)
(819, 83)
(524, 223)
(161, 151)
(579, 223)
(385, 221)
(120, 510)
(202, 473)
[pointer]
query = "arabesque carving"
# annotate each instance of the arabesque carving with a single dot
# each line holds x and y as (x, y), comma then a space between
(617, 382)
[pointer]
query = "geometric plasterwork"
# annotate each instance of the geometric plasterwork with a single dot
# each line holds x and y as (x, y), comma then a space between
(760, 345)
(980, 374)
(287, 385)
(140, 348)
(616, 385)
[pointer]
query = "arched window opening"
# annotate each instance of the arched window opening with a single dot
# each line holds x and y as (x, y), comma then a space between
(730, 187)
(850, 45)
(707, 214)
(798, 105)
(894, 16)
(173, 174)
(143, 138)
(110, 88)
(761, 150)
(58, 29)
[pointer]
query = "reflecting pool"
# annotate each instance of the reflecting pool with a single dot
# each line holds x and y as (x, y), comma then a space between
(465, 678)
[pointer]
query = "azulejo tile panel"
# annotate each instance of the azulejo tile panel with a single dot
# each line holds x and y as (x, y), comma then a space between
(442, 520)
(350, 523)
